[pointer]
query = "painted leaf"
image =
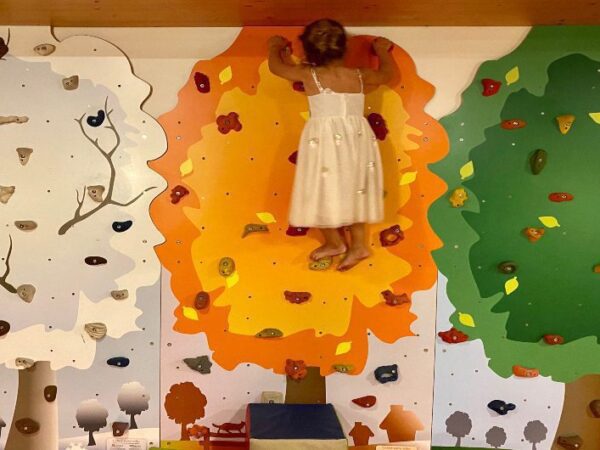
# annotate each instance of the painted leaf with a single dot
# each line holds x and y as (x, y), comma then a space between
(595, 117)
(466, 320)
(305, 115)
(266, 217)
(343, 347)
(226, 75)
(190, 313)
(408, 178)
(549, 221)
(512, 76)
(467, 170)
(511, 285)
(186, 168)
(232, 279)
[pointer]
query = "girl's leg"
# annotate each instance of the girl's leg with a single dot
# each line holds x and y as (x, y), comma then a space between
(358, 247)
(334, 244)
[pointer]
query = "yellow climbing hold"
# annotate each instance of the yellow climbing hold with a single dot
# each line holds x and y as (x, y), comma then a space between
(343, 348)
(466, 319)
(232, 279)
(226, 75)
(186, 168)
(512, 76)
(595, 117)
(266, 217)
(549, 221)
(467, 170)
(305, 115)
(511, 285)
(565, 122)
(190, 313)
(407, 178)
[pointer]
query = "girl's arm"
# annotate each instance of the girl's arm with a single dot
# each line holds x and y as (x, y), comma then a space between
(387, 66)
(280, 60)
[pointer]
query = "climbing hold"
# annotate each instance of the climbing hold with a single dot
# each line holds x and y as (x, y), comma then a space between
(96, 330)
(230, 122)
(26, 225)
(501, 407)
(367, 401)
(490, 87)
(13, 119)
(200, 364)
(254, 228)
(97, 120)
(44, 49)
(554, 339)
(24, 363)
(595, 408)
(513, 124)
(565, 122)
(573, 442)
(534, 234)
(391, 236)
(202, 82)
(293, 158)
(96, 193)
(202, 300)
(226, 266)
(3, 48)
(95, 260)
(321, 264)
(269, 333)
(24, 153)
(453, 336)
(297, 297)
(296, 370)
(26, 292)
(507, 267)
(121, 294)
(298, 86)
(71, 83)
(27, 426)
(177, 193)
(296, 231)
(458, 197)
(50, 393)
(120, 227)
(120, 427)
(525, 372)
(343, 368)
(560, 197)
(378, 125)
(118, 361)
(597, 268)
(4, 328)
(392, 299)
(6, 193)
(385, 374)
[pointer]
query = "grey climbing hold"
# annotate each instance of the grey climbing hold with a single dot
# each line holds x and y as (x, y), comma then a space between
(6, 193)
(96, 193)
(26, 225)
(200, 364)
(26, 292)
(71, 83)
(121, 294)
(44, 49)
(24, 153)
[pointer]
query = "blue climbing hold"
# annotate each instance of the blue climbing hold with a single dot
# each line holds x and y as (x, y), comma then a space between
(501, 407)
(118, 361)
(120, 227)
(96, 121)
(385, 374)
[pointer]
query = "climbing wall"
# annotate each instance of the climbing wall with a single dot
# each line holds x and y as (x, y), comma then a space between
(247, 312)
(519, 365)
(79, 279)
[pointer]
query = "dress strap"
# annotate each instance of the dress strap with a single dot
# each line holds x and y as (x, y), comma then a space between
(360, 78)
(317, 82)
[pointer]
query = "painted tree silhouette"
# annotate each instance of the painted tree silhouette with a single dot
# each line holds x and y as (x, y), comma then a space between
(185, 404)
(459, 425)
(91, 416)
(535, 432)
(496, 437)
(133, 400)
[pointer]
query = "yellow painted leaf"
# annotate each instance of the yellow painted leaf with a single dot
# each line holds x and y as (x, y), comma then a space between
(549, 221)
(407, 178)
(305, 115)
(466, 319)
(232, 279)
(467, 170)
(186, 168)
(343, 347)
(226, 75)
(190, 313)
(511, 285)
(512, 76)
(266, 217)
(595, 117)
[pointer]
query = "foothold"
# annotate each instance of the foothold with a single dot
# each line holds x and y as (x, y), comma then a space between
(226, 266)
(378, 125)
(595, 408)
(121, 227)
(271, 397)
(120, 294)
(119, 428)
(202, 300)
(386, 374)
(343, 368)
(50, 393)
(200, 364)
(6, 193)
(501, 407)
(367, 401)
(392, 299)
(459, 197)
(4, 328)
(573, 442)
(198, 431)
(296, 370)
(254, 228)
(525, 372)
(293, 158)
(321, 264)
(71, 83)
(4, 120)
(269, 333)
(538, 161)
(513, 124)
(26, 292)
(490, 87)
(118, 361)
(391, 236)
(507, 267)
(24, 363)
(297, 297)
(96, 193)
(554, 339)
(565, 122)
(453, 336)
(44, 49)
(202, 82)
(534, 234)
(296, 231)
(26, 225)
(97, 120)
(95, 260)
(298, 86)
(230, 122)
(177, 193)
(24, 153)
(96, 330)
(27, 426)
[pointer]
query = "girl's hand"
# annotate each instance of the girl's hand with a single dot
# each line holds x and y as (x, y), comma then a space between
(278, 42)
(382, 45)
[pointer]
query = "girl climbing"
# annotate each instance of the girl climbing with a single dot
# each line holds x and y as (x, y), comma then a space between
(339, 181)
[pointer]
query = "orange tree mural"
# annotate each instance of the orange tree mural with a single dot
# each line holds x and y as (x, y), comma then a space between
(228, 247)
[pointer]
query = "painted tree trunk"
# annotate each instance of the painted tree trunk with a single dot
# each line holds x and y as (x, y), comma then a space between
(133, 425)
(33, 408)
(184, 432)
(458, 442)
(534, 447)
(91, 440)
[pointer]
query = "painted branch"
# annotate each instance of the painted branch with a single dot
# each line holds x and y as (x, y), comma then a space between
(5, 284)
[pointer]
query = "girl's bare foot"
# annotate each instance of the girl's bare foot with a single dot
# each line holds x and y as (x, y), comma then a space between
(353, 257)
(328, 250)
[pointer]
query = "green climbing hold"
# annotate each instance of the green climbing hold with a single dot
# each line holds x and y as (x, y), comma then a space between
(507, 267)
(538, 161)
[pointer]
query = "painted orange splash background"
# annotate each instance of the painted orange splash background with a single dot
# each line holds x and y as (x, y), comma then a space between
(233, 177)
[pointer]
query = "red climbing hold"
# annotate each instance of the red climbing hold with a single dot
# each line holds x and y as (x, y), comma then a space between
(513, 124)
(296, 370)
(534, 234)
(293, 158)
(202, 82)
(297, 297)
(559, 197)
(298, 86)
(378, 125)
(391, 236)
(525, 372)
(296, 231)
(490, 87)
(365, 402)
(202, 300)
(554, 339)
(392, 299)
(453, 336)
(229, 122)
(177, 193)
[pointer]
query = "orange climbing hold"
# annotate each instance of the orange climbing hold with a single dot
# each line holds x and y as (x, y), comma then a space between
(525, 372)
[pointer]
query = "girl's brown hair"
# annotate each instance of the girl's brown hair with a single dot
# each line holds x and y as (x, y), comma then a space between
(324, 41)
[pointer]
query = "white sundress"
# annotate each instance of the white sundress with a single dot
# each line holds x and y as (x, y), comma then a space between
(339, 179)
